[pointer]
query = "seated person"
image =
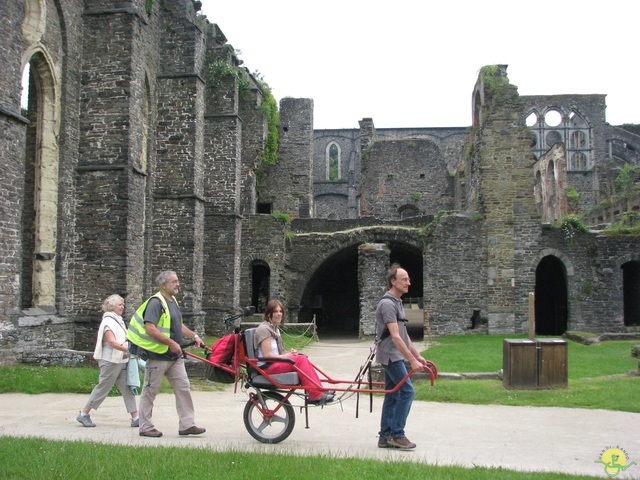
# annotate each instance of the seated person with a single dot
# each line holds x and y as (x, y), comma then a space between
(268, 344)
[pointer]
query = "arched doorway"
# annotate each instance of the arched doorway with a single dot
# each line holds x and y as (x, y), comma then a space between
(260, 276)
(631, 293)
(411, 260)
(551, 297)
(331, 296)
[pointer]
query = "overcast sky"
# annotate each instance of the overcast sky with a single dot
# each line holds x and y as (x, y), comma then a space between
(413, 63)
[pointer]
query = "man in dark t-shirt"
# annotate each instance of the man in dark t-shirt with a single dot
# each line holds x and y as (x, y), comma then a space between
(394, 348)
(169, 364)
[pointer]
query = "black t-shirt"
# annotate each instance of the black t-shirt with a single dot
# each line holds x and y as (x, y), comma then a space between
(152, 315)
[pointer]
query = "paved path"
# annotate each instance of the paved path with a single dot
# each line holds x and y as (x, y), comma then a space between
(518, 438)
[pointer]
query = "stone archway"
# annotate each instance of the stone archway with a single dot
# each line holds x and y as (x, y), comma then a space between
(329, 292)
(331, 295)
(551, 299)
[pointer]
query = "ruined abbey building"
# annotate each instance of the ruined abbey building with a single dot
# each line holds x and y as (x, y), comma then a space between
(142, 148)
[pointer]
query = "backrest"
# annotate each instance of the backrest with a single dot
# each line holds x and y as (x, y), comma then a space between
(250, 351)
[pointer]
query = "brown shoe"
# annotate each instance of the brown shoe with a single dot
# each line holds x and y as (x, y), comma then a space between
(192, 431)
(401, 443)
(151, 433)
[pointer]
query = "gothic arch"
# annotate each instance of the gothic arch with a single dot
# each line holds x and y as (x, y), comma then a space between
(568, 127)
(40, 213)
(333, 158)
(35, 19)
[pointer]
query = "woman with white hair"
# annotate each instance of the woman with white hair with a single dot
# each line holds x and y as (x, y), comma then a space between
(112, 354)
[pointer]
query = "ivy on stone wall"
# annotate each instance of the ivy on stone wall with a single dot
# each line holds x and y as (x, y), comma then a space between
(285, 218)
(628, 224)
(269, 107)
(231, 67)
(491, 78)
(571, 226)
(221, 69)
(429, 229)
(573, 198)
(627, 181)
(626, 188)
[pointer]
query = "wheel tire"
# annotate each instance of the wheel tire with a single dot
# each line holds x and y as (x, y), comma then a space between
(280, 425)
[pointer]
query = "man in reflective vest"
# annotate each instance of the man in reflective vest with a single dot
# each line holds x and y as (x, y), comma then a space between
(157, 329)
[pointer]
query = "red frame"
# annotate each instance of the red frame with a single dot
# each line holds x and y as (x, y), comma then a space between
(324, 377)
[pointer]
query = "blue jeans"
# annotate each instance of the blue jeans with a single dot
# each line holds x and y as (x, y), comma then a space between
(396, 406)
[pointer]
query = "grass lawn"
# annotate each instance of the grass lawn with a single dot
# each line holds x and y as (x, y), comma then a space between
(597, 375)
(81, 460)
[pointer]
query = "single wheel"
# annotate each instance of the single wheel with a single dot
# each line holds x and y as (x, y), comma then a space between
(264, 422)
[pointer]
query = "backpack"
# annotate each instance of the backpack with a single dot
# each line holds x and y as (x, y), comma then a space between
(227, 351)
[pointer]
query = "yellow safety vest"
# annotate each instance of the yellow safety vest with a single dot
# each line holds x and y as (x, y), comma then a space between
(137, 334)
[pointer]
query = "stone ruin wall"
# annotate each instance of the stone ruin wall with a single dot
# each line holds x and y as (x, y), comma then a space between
(134, 199)
(287, 186)
(455, 274)
(405, 176)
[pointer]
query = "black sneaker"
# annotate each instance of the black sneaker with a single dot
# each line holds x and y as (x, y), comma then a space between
(382, 442)
(323, 399)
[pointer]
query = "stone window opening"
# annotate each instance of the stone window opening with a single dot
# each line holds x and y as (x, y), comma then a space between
(532, 119)
(578, 161)
(264, 208)
(550, 200)
(537, 189)
(553, 127)
(553, 118)
(578, 139)
(333, 162)
(40, 205)
(408, 211)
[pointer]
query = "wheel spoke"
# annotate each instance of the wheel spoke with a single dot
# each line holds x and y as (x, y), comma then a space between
(278, 419)
(260, 428)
